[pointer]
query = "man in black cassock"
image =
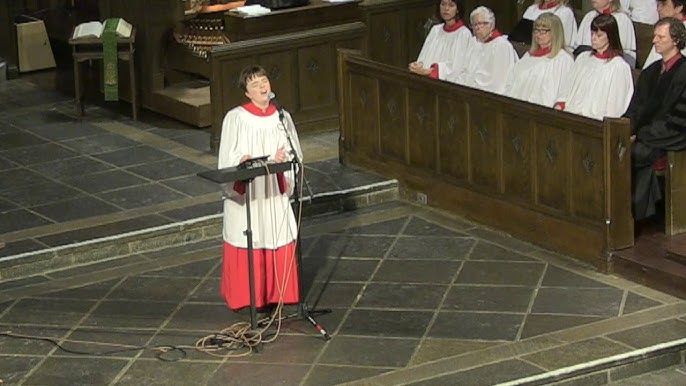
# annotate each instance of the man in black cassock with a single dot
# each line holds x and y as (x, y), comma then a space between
(658, 114)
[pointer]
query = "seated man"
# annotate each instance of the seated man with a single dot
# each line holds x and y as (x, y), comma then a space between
(658, 114)
(490, 55)
(667, 8)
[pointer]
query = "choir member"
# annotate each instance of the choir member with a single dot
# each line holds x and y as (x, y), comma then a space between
(599, 83)
(490, 56)
(445, 47)
(537, 75)
(658, 114)
(641, 11)
(667, 8)
(256, 129)
(557, 7)
(627, 35)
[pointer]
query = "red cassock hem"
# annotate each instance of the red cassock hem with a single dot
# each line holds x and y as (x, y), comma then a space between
(276, 273)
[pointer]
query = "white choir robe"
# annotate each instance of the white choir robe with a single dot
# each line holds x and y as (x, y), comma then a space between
(488, 65)
(537, 79)
(597, 88)
(273, 223)
(641, 11)
(627, 35)
(566, 15)
(654, 56)
(446, 49)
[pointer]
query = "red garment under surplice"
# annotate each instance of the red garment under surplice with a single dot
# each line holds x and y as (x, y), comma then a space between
(269, 282)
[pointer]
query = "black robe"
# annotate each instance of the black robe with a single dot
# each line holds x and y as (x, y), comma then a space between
(658, 119)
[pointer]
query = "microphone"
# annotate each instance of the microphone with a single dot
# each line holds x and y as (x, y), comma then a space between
(275, 102)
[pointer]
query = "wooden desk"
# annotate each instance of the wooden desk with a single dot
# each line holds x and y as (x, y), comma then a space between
(84, 49)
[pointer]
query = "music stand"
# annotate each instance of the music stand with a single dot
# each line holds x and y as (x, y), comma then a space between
(246, 173)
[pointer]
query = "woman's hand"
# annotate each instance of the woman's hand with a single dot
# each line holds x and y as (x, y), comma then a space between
(280, 155)
(244, 158)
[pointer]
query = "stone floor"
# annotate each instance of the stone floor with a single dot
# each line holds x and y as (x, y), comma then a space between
(417, 296)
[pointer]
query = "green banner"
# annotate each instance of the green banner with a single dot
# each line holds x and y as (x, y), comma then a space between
(110, 65)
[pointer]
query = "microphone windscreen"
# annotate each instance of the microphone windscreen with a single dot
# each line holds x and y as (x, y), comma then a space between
(271, 95)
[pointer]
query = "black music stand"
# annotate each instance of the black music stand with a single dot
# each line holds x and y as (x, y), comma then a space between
(246, 173)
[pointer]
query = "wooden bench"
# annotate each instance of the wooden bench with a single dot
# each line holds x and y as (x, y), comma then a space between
(554, 178)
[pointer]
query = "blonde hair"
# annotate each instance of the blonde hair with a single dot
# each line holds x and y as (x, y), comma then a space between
(615, 6)
(554, 24)
(560, 3)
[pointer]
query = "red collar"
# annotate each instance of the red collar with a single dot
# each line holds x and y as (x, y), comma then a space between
(494, 34)
(683, 18)
(666, 66)
(452, 28)
(548, 6)
(605, 55)
(541, 52)
(252, 109)
(606, 11)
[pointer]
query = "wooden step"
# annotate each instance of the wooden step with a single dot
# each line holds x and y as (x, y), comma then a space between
(188, 102)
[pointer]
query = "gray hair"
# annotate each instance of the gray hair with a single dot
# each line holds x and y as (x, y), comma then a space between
(485, 12)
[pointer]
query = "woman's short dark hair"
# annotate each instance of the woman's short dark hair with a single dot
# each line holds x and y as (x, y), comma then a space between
(248, 74)
(608, 24)
(677, 31)
(458, 16)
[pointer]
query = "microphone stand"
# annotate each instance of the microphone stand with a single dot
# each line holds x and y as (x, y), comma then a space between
(303, 309)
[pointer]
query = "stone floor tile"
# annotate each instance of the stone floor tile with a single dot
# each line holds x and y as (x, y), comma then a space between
(78, 166)
(487, 251)
(206, 317)
(497, 299)
(193, 185)
(635, 303)
(195, 211)
(334, 294)
(75, 208)
(389, 227)
(166, 169)
(346, 269)
(432, 248)
(671, 376)
(66, 130)
(109, 342)
(502, 239)
(500, 273)
(486, 375)
(408, 324)
(293, 349)
(17, 179)
(323, 375)
(154, 288)
(537, 324)
(196, 269)
(30, 280)
(433, 349)
(576, 353)
(156, 372)
(104, 181)
(365, 351)
(417, 271)
(105, 230)
(95, 291)
(14, 369)
(351, 246)
(477, 326)
(27, 346)
(140, 196)
(136, 155)
(47, 312)
(18, 139)
(421, 227)
(402, 296)
(578, 301)
(48, 192)
(560, 277)
(651, 334)
(103, 143)
(240, 374)
(21, 246)
(130, 314)
(45, 152)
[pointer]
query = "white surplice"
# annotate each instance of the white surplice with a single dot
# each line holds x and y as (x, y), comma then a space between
(641, 11)
(447, 49)
(488, 66)
(537, 79)
(596, 87)
(566, 15)
(627, 35)
(272, 219)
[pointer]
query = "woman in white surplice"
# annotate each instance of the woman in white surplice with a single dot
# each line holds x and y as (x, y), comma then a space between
(600, 82)
(445, 48)
(537, 76)
(251, 130)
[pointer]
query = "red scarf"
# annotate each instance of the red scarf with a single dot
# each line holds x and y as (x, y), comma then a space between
(543, 6)
(541, 52)
(452, 28)
(607, 11)
(494, 35)
(252, 109)
(605, 55)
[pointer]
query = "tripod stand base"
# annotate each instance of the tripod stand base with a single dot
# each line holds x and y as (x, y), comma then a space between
(305, 313)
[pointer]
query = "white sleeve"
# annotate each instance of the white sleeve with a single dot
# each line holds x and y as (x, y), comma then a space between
(493, 75)
(569, 26)
(429, 42)
(229, 144)
(621, 91)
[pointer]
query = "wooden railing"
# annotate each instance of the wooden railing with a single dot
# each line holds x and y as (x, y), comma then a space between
(557, 179)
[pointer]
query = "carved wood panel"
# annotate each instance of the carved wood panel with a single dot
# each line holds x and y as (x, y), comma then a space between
(552, 167)
(280, 68)
(387, 38)
(419, 22)
(453, 134)
(483, 144)
(392, 119)
(364, 136)
(422, 128)
(315, 68)
(517, 156)
(587, 174)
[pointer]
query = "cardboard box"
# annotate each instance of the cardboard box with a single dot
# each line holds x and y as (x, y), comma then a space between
(33, 45)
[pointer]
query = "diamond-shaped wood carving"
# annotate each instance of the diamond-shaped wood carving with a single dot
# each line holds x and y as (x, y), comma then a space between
(588, 162)
(551, 151)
